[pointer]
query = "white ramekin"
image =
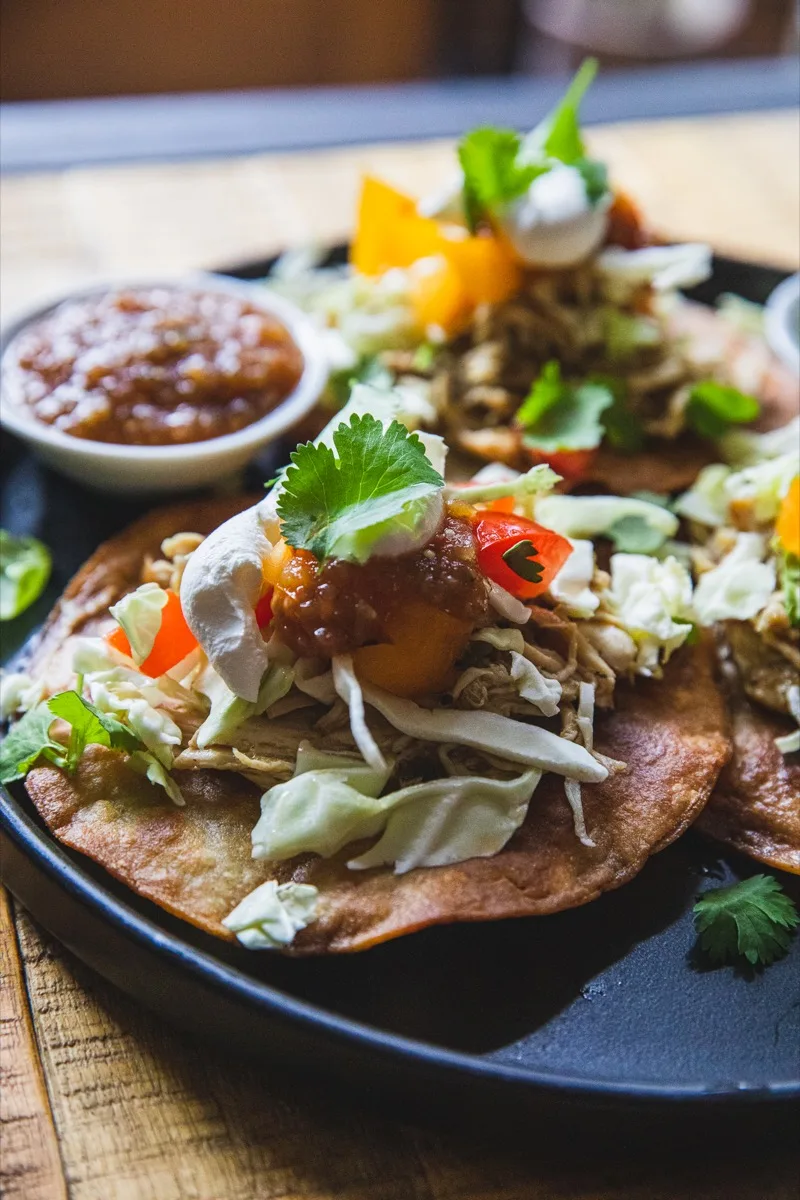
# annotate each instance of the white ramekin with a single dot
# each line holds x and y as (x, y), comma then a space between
(121, 468)
(782, 322)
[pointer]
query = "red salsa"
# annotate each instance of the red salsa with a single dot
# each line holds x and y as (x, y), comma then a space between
(154, 366)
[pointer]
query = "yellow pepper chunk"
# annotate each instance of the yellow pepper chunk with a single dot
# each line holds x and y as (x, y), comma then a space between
(425, 644)
(787, 526)
(471, 269)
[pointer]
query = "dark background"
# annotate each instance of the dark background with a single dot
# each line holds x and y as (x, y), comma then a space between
(52, 49)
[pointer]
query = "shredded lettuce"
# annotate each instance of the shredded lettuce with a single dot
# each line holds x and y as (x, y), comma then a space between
(139, 614)
(271, 915)
(25, 566)
(652, 601)
(739, 587)
(595, 516)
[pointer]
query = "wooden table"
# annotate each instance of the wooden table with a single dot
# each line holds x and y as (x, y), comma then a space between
(99, 1100)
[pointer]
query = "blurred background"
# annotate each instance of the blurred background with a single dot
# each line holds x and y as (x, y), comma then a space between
(51, 49)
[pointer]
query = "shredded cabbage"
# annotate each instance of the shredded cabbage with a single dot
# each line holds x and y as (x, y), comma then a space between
(19, 692)
(571, 586)
(499, 736)
(652, 600)
(624, 272)
(507, 605)
(739, 587)
(534, 482)
(273, 914)
(586, 713)
(501, 639)
(706, 500)
(743, 447)
(543, 693)
(449, 821)
(349, 689)
(147, 764)
(590, 516)
(139, 614)
(763, 485)
(229, 711)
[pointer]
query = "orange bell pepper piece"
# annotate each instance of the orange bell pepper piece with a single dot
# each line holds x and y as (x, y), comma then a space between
(787, 526)
(473, 270)
(174, 640)
(425, 643)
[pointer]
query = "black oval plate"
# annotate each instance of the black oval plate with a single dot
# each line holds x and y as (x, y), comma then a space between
(605, 1009)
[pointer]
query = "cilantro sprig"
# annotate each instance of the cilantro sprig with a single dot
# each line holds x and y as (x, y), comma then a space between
(29, 740)
(499, 166)
(753, 920)
(25, 565)
(556, 415)
(713, 407)
(789, 575)
(493, 174)
(338, 502)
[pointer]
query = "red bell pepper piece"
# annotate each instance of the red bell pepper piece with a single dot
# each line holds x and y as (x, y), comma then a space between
(518, 554)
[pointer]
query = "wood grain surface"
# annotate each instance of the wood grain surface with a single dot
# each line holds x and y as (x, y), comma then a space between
(98, 1099)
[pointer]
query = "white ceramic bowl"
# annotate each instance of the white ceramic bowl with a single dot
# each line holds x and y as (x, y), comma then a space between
(122, 468)
(782, 322)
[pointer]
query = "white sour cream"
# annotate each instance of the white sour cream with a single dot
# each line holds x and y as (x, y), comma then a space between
(554, 224)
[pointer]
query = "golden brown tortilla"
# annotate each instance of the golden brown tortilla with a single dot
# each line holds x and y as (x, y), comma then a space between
(755, 807)
(195, 861)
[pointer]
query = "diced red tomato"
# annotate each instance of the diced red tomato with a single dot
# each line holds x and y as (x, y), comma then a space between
(174, 640)
(497, 533)
(264, 610)
(573, 465)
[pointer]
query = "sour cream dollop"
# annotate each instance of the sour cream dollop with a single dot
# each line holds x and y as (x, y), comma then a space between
(554, 224)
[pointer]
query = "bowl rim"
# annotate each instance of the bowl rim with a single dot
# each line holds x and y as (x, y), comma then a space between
(294, 406)
(781, 333)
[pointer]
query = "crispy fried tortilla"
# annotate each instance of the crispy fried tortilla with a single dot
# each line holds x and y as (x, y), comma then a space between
(195, 861)
(755, 807)
(674, 466)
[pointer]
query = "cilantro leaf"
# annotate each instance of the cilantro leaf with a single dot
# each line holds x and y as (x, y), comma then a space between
(789, 572)
(546, 390)
(634, 535)
(595, 178)
(338, 505)
(571, 421)
(713, 406)
(753, 919)
(89, 726)
(521, 559)
(26, 741)
(493, 176)
(30, 738)
(623, 429)
(25, 565)
(559, 134)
